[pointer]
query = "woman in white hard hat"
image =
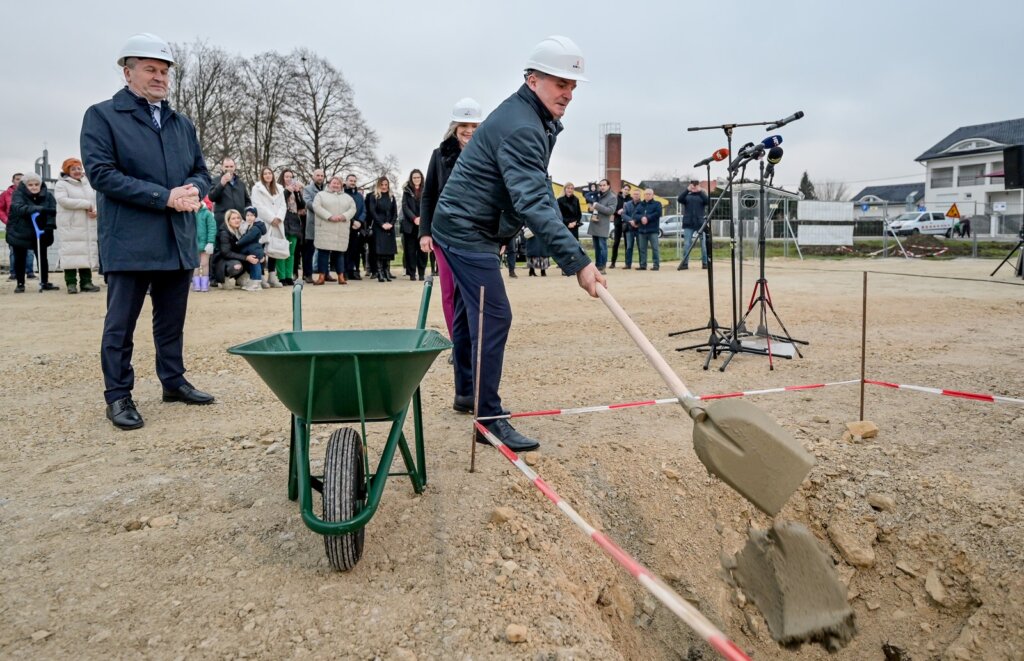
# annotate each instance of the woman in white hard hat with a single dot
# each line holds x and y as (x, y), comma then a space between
(465, 117)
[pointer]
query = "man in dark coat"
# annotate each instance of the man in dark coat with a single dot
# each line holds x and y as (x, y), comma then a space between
(694, 202)
(144, 161)
(499, 182)
(229, 193)
(569, 207)
(648, 217)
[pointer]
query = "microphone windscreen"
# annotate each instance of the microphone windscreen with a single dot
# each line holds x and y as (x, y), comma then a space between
(772, 141)
(775, 154)
(721, 154)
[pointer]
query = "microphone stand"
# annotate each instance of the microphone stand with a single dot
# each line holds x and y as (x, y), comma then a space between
(730, 340)
(718, 337)
(760, 295)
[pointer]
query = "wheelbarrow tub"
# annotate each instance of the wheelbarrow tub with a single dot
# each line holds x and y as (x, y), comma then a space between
(319, 375)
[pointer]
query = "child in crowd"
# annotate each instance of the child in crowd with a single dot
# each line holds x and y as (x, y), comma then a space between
(250, 234)
(206, 235)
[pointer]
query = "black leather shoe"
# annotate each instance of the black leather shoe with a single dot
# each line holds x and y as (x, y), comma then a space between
(123, 414)
(355, 276)
(463, 403)
(509, 436)
(186, 393)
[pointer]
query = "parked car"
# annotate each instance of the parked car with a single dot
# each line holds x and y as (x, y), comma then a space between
(922, 222)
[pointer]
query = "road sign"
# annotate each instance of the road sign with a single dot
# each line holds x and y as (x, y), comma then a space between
(920, 207)
(999, 206)
(864, 207)
(953, 212)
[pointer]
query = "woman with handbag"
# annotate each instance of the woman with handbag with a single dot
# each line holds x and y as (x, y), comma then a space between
(382, 213)
(334, 210)
(294, 226)
(414, 259)
(270, 204)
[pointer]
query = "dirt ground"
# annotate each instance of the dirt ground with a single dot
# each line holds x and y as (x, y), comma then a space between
(177, 540)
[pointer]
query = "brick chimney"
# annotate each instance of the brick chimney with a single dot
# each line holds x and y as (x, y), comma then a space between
(613, 159)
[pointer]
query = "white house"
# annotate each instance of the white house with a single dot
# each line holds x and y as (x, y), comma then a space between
(878, 202)
(959, 169)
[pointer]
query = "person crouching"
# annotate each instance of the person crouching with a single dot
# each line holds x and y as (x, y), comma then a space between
(244, 241)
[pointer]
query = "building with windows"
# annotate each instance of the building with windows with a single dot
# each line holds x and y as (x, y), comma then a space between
(959, 170)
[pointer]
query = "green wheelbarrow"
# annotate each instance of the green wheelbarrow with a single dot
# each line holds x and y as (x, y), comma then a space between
(347, 376)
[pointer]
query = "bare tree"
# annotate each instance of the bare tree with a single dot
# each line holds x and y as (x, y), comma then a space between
(325, 128)
(831, 191)
(205, 86)
(269, 82)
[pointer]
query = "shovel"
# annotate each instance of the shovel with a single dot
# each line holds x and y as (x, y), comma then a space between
(734, 439)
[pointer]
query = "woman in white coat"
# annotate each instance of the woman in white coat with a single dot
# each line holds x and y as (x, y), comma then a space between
(268, 198)
(334, 210)
(76, 227)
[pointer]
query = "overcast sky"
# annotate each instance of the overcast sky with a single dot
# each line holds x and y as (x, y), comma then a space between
(880, 82)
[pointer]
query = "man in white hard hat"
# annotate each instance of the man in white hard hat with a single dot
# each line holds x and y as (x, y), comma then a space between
(499, 183)
(148, 170)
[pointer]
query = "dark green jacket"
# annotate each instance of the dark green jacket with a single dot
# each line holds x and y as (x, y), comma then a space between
(501, 182)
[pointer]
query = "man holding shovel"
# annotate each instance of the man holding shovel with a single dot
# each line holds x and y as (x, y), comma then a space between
(499, 183)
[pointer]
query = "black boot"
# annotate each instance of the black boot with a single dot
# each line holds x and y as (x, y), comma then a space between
(532, 272)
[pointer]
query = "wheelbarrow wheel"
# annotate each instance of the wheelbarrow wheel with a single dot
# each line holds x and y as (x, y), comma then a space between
(344, 494)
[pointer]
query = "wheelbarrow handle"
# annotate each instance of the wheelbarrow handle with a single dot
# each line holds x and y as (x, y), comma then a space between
(297, 306)
(671, 379)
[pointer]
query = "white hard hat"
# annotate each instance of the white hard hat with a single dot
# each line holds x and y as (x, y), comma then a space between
(467, 111)
(557, 56)
(147, 46)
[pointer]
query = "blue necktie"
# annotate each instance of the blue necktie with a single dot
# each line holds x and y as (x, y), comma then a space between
(153, 110)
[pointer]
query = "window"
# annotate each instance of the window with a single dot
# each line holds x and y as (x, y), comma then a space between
(972, 144)
(938, 216)
(971, 175)
(942, 178)
(996, 167)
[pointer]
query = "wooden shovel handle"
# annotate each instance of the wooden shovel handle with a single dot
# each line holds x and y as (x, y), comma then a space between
(673, 381)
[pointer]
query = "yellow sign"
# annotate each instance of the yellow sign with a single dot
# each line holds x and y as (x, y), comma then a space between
(953, 212)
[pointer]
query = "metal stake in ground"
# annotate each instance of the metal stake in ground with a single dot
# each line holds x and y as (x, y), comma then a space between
(863, 342)
(733, 438)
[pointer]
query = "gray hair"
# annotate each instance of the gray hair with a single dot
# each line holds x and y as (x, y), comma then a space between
(31, 177)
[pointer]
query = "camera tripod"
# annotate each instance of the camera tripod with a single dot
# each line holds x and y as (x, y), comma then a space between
(1020, 258)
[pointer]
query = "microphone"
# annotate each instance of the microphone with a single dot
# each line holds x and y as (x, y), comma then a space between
(782, 122)
(772, 141)
(719, 155)
(742, 155)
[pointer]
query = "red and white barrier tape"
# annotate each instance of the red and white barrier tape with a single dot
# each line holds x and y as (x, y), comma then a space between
(669, 400)
(948, 393)
(662, 592)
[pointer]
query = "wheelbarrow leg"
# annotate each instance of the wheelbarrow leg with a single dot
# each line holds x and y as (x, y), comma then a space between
(410, 466)
(417, 423)
(298, 431)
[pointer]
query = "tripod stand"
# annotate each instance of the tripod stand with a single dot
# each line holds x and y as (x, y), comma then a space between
(761, 296)
(717, 337)
(1009, 256)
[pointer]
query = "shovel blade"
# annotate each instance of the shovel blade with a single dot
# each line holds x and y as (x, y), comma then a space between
(751, 453)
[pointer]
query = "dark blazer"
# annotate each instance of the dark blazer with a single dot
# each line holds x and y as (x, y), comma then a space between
(442, 161)
(233, 196)
(569, 207)
(380, 210)
(410, 209)
(133, 166)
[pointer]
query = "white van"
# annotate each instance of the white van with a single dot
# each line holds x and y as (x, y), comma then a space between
(922, 222)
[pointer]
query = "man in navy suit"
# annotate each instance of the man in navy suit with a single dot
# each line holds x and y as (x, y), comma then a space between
(145, 163)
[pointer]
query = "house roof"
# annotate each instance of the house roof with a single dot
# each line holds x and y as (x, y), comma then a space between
(1009, 132)
(896, 193)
